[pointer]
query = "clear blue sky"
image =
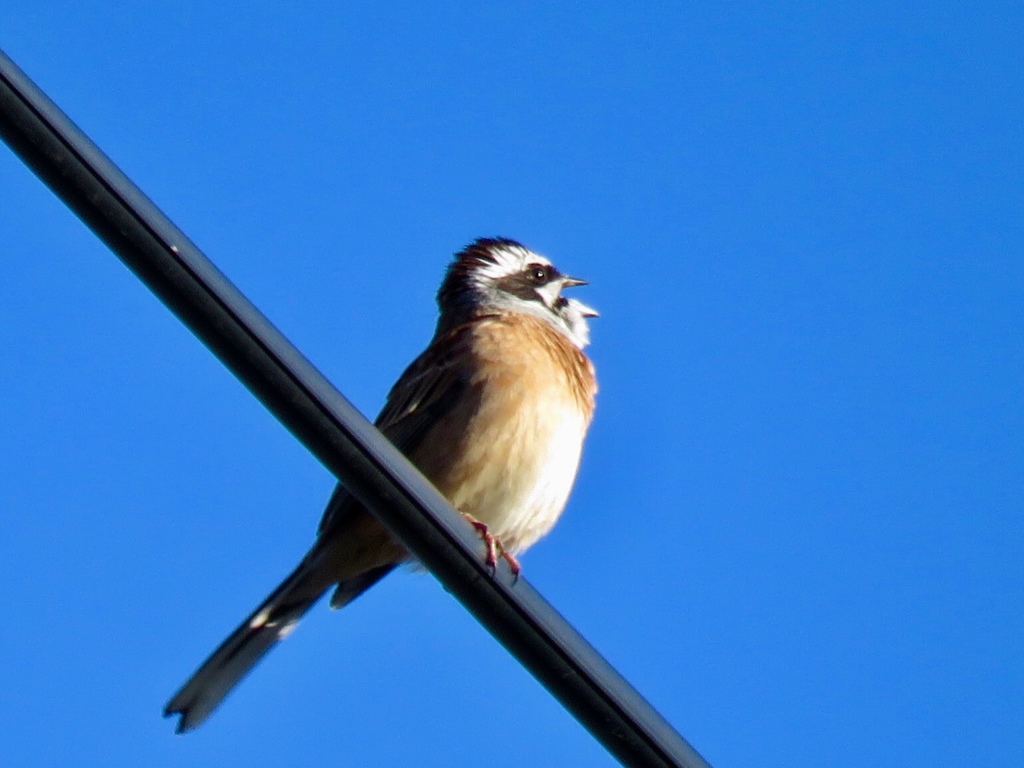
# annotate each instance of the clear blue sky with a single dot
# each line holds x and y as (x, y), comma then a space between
(798, 525)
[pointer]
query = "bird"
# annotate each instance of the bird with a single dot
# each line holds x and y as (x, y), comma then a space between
(493, 412)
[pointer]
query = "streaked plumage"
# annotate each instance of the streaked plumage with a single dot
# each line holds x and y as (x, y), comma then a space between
(493, 412)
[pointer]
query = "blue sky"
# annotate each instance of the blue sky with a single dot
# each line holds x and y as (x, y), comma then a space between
(797, 528)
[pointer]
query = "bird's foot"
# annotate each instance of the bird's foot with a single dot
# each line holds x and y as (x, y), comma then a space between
(494, 547)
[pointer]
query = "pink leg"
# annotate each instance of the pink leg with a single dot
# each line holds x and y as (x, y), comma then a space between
(489, 540)
(494, 547)
(509, 558)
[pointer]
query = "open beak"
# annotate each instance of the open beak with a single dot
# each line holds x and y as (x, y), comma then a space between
(583, 309)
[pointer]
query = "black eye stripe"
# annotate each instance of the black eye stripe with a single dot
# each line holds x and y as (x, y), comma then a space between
(519, 286)
(522, 285)
(540, 274)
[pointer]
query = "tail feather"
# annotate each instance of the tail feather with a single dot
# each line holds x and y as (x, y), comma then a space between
(355, 552)
(249, 643)
(349, 589)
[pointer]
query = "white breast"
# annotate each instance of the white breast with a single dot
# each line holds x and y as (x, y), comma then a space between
(525, 466)
(508, 452)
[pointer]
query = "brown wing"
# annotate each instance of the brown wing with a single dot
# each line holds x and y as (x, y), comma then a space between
(424, 393)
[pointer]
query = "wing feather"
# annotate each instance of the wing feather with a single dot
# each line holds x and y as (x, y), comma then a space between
(425, 392)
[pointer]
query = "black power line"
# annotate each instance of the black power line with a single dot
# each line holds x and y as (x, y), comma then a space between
(331, 428)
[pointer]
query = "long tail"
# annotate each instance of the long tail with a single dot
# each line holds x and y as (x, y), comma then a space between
(243, 649)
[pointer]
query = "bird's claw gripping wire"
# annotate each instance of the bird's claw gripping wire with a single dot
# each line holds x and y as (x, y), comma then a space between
(495, 549)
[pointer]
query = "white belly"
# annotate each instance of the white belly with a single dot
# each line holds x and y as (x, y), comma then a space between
(526, 466)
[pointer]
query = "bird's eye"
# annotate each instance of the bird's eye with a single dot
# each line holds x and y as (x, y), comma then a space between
(538, 274)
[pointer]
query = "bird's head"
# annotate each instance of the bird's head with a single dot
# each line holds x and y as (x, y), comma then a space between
(500, 275)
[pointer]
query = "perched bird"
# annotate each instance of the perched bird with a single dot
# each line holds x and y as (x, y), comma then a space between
(493, 413)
